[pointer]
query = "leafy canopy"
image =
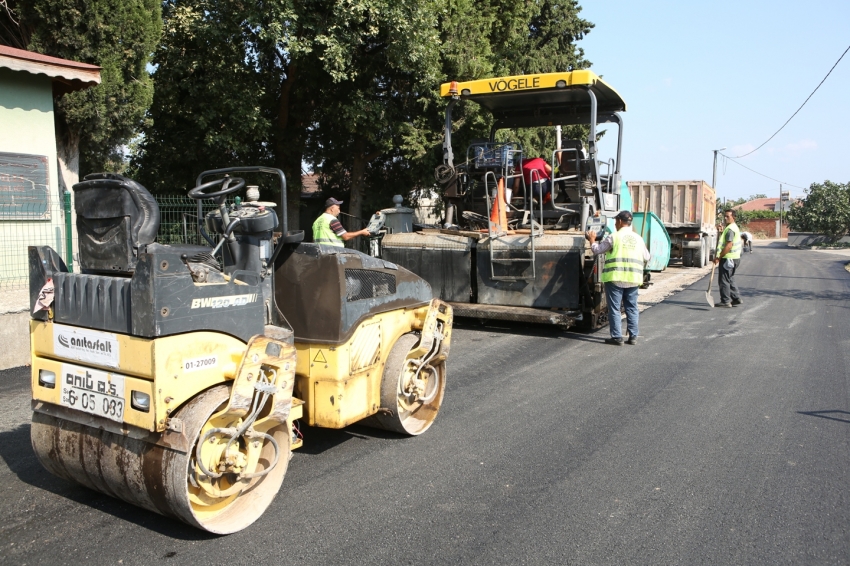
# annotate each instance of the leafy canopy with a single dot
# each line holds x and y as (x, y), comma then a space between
(117, 35)
(824, 210)
(349, 87)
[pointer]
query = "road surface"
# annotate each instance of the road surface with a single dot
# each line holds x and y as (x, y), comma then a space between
(721, 438)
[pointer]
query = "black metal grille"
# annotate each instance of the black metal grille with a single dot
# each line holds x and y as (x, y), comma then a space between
(364, 284)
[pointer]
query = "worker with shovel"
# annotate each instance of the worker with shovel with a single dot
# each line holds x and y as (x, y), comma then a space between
(728, 256)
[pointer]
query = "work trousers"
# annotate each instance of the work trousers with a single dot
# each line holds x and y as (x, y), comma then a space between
(726, 281)
(628, 296)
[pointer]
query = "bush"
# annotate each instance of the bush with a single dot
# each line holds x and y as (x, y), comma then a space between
(825, 210)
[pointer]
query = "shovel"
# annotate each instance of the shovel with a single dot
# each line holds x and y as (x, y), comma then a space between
(708, 298)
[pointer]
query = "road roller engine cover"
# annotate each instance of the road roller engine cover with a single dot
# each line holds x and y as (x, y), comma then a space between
(174, 376)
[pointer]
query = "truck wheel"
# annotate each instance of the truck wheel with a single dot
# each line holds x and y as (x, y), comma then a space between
(165, 480)
(688, 257)
(410, 399)
(701, 260)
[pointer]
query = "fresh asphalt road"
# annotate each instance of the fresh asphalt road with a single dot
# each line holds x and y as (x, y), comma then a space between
(721, 438)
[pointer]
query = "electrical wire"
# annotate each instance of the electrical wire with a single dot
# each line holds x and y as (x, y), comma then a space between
(732, 159)
(795, 113)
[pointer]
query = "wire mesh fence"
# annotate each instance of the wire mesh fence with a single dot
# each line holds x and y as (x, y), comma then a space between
(179, 219)
(44, 224)
(32, 224)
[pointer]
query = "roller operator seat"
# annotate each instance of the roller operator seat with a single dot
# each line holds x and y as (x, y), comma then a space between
(116, 219)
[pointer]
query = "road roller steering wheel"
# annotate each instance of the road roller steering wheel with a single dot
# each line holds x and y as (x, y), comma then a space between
(228, 185)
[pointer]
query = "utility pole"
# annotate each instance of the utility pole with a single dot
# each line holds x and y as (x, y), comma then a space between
(714, 171)
(783, 197)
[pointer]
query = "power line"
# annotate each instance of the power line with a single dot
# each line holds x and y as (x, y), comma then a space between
(798, 109)
(732, 159)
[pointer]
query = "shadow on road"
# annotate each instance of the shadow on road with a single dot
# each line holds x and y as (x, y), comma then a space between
(16, 452)
(837, 298)
(826, 415)
(319, 440)
(597, 336)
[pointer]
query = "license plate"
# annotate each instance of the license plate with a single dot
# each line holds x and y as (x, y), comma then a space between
(92, 391)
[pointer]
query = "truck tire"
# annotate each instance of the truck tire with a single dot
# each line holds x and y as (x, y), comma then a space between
(688, 257)
(701, 254)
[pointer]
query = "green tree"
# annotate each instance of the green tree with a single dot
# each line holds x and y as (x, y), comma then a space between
(757, 196)
(498, 38)
(387, 64)
(92, 126)
(349, 87)
(242, 83)
(219, 82)
(824, 210)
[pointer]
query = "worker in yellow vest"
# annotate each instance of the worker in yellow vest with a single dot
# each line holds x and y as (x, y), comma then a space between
(328, 230)
(728, 256)
(625, 258)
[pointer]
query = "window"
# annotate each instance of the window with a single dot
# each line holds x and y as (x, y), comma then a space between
(24, 187)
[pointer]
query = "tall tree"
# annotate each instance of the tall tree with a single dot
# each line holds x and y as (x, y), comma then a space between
(92, 126)
(348, 86)
(478, 38)
(388, 59)
(276, 82)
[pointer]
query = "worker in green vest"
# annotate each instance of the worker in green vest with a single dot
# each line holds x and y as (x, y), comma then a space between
(625, 258)
(728, 255)
(328, 230)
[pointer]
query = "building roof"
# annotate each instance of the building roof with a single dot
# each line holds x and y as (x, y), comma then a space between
(67, 75)
(759, 204)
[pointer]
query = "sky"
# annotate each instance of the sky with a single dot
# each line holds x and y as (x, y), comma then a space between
(700, 76)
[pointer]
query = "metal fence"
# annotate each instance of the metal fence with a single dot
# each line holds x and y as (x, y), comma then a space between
(49, 227)
(179, 219)
(41, 224)
(178, 224)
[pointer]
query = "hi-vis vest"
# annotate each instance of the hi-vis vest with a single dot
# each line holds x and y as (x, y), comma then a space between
(737, 243)
(322, 233)
(624, 262)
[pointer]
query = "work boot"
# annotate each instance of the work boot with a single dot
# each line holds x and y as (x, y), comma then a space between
(724, 305)
(632, 340)
(614, 341)
(736, 302)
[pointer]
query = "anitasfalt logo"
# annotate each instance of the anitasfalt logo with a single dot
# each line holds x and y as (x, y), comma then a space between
(84, 344)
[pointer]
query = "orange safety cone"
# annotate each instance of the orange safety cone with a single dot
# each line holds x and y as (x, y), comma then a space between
(498, 212)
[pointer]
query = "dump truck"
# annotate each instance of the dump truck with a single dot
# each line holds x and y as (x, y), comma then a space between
(174, 377)
(504, 252)
(688, 210)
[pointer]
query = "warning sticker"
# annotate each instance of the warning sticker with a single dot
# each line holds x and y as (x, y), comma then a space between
(320, 357)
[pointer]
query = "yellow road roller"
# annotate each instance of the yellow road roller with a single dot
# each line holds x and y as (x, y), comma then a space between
(173, 376)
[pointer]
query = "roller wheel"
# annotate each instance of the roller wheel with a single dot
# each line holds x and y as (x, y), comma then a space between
(413, 400)
(164, 480)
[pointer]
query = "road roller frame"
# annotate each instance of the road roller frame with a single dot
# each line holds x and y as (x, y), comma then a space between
(172, 376)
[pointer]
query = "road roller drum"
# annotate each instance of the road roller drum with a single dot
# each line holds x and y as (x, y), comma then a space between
(173, 376)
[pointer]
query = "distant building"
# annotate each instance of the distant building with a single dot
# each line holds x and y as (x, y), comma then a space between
(767, 227)
(765, 204)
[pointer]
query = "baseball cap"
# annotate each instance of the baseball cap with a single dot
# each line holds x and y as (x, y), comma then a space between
(332, 201)
(624, 216)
